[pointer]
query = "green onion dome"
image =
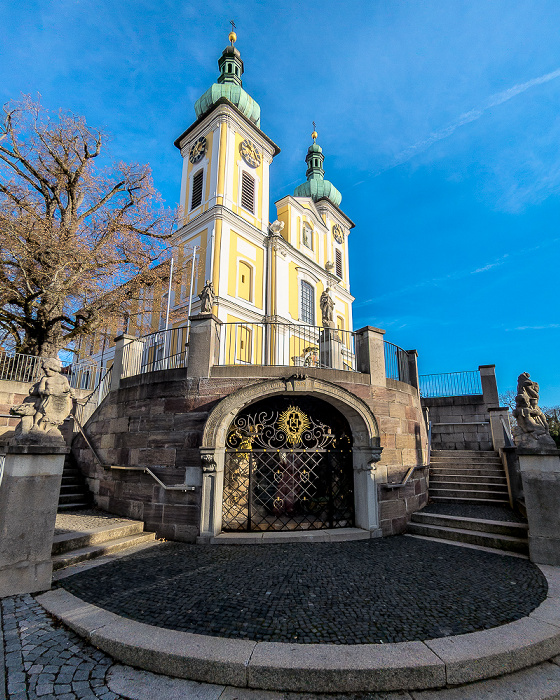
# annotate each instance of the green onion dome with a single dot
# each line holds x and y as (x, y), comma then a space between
(229, 85)
(316, 186)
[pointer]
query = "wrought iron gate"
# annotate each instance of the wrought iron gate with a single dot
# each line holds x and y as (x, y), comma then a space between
(286, 470)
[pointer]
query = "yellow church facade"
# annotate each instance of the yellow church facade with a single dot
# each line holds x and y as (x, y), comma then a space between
(266, 277)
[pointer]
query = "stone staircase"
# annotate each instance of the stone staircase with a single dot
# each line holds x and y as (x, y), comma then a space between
(81, 538)
(74, 493)
(475, 482)
(467, 476)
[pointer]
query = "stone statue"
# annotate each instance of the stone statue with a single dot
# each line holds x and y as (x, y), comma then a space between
(533, 427)
(207, 298)
(276, 228)
(327, 309)
(47, 407)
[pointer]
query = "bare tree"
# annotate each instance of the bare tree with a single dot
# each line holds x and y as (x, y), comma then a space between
(78, 241)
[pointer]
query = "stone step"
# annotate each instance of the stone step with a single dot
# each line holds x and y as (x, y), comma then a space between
(467, 499)
(475, 471)
(467, 478)
(61, 561)
(468, 486)
(76, 505)
(466, 461)
(68, 541)
(483, 539)
(454, 543)
(74, 496)
(494, 527)
(491, 453)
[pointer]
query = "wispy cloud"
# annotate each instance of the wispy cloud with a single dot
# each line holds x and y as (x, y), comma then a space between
(546, 327)
(459, 274)
(466, 118)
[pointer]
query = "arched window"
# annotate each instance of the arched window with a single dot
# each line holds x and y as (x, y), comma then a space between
(307, 303)
(245, 281)
(340, 323)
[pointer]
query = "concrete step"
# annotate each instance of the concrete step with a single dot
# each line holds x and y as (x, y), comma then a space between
(473, 471)
(467, 478)
(61, 561)
(467, 499)
(69, 541)
(468, 486)
(495, 527)
(454, 543)
(483, 539)
(457, 491)
(459, 453)
(72, 496)
(467, 462)
(76, 505)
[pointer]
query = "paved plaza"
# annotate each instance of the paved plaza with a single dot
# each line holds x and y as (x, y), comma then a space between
(371, 591)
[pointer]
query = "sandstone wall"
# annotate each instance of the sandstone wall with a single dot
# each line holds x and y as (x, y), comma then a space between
(459, 422)
(156, 421)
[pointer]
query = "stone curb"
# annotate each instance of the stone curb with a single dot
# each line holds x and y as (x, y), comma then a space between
(325, 668)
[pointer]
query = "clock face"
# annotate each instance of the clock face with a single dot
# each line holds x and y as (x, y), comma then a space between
(198, 150)
(250, 153)
(338, 233)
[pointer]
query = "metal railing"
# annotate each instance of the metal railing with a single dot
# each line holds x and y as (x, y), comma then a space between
(84, 411)
(286, 345)
(2, 463)
(450, 384)
(396, 362)
(156, 351)
(17, 367)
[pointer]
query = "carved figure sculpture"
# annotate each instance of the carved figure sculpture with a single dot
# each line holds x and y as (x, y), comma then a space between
(533, 427)
(276, 228)
(327, 309)
(47, 407)
(207, 297)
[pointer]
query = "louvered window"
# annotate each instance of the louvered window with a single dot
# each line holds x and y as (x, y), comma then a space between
(196, 199)
(247, 192)
(307, 304)
(338, 261)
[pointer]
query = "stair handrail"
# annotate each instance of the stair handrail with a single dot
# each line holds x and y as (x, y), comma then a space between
(429, 443)
(508, 437)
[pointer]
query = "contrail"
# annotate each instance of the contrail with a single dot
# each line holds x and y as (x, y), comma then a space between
(467, 117)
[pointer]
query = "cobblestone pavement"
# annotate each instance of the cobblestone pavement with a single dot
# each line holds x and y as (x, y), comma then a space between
(475, 510)
(387, 590)
(44, 660)
(84, 520)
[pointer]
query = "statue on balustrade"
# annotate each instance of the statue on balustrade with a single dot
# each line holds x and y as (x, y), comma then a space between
(48, 405)
(207, 297)
(327, 309)
(532, 425)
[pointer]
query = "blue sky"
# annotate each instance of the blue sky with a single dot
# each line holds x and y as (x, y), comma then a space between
(440, 123)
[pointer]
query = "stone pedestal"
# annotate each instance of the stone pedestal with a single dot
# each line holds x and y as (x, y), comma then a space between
(330, 349)
(204, 345)
(370, 354)
(29, 491)
(540, 472)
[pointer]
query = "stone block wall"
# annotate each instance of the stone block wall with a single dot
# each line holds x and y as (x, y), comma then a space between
(11, 394)
(156, 421)
(459, 422)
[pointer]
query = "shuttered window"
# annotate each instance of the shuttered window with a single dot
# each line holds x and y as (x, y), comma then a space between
(196, 199)
(338, 263)
(247, 192)
(307, 304)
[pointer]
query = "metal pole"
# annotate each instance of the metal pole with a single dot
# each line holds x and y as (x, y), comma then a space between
(190, 293)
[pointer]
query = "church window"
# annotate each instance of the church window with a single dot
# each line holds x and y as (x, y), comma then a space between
(196, 199)
(245, 281)
(307, 303)
(338, 263)
(247, 192)
(307, 236)
(340, 323)
(244, 344)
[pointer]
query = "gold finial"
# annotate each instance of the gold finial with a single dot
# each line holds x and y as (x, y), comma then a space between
(232, 35)
(314, 134)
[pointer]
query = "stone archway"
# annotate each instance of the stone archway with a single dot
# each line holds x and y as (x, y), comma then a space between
(365, 451)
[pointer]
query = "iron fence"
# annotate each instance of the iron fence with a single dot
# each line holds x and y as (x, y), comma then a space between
(450, 384)
(84, 411)
(156, 351)
(286, 344)
(17, 367)
(396, 362)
